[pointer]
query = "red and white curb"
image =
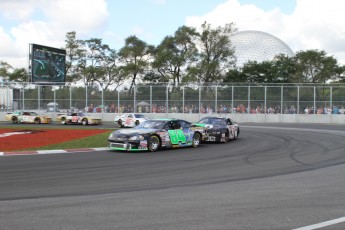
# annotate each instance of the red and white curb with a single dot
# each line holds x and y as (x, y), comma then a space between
(42, 152)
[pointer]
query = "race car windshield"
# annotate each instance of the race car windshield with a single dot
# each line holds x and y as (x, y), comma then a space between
(212, 121)
(151, 124)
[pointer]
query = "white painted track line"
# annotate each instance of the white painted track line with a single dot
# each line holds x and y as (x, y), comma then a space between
(322, 224)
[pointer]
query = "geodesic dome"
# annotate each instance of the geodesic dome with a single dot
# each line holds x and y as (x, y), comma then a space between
(252, 45)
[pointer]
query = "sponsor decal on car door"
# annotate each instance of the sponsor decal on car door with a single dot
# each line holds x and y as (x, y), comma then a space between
(177, 136)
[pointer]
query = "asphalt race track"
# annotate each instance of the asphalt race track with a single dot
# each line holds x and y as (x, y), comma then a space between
(273, 177)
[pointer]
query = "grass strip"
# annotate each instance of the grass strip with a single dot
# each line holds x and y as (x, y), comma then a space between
(94, 141)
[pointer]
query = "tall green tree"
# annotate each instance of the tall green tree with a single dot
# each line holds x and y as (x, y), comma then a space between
(73, 53)
(255, 72)
(19, 75)
(216, 53)
(235, 76)
(284, 68)
(341, 78)
(314, 66)
(90, 60)
(8, 73)
(135, 58)
(5, 70)
(175, 54)
(110, 74)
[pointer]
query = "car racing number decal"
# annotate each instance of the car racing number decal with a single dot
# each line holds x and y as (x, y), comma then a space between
(177, 136)
(128, 121)
(26, 118)
(75, 118)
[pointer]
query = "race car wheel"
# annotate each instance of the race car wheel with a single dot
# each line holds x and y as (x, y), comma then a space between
(137, 122)
(84, 121)
(196, 140)
(37, 120)
(227, 137)
(153, 143)
(63, 121)
(14, 120)
(119, 123)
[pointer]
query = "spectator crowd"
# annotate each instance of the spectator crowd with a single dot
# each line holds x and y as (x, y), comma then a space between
(207, 109)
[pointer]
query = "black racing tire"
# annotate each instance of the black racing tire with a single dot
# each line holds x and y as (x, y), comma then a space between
(154, 143)
(84, 121)
(196, 140)
(137, 122)
(63, 121)
(14, 120)
(37, 120)
(119, 123)
(227, 138)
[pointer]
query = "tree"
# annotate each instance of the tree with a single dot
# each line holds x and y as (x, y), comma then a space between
(216, 54)
(110, 70)
(234, 75)
(8, 73)
(19, 75)
(135, 57)
(341, 78)
(5, 70)
(73, 53)
(283, 68)
(175, 53)
(255, 72)
(313, 66)
(89, 61)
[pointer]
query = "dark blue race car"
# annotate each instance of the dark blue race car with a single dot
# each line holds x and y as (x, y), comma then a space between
(219, 129)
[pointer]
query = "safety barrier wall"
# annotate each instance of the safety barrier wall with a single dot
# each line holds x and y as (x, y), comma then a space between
(241, 118)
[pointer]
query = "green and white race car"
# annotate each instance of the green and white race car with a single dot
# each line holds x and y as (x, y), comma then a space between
(27, 117)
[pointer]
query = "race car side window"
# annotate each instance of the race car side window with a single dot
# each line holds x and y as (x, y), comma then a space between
(173, 125)
(176, 125)
(184, 124)
(168, 126)
(229, 121)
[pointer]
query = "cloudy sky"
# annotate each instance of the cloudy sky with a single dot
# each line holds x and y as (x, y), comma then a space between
(301, 24)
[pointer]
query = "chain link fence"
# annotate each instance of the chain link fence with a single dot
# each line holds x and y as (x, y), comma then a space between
(236, 98)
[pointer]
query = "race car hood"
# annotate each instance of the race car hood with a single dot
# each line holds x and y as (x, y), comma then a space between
(206, 126)
(132, 132)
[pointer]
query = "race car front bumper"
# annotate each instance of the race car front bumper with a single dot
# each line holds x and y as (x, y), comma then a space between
(128, 146)
(214, 137)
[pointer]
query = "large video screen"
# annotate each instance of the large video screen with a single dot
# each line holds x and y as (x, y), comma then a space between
(47, 64)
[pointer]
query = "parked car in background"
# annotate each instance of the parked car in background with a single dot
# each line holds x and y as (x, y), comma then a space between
(27, 117)
(152, 135)
(129, 119)
(78, 118)
(219, 129)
